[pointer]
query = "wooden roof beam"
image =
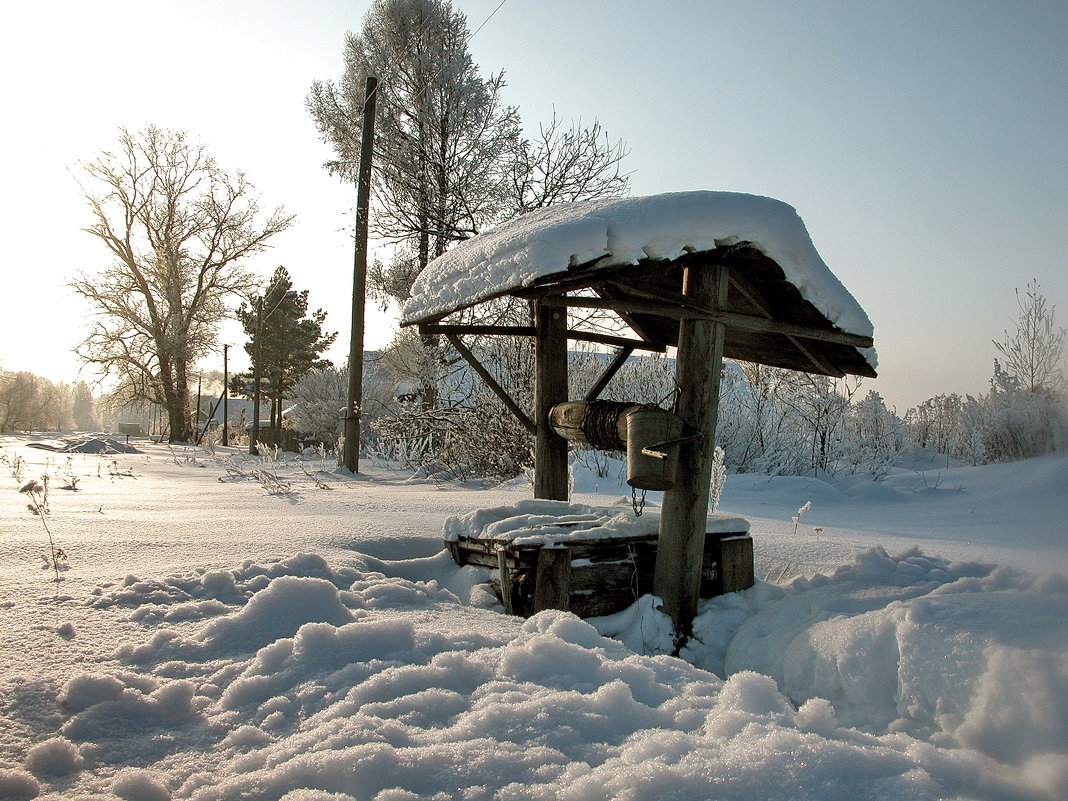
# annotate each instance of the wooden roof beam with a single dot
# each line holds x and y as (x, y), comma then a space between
(679, 308)
(609, 373)
(430, 329)
(491, 382)
(752, 294)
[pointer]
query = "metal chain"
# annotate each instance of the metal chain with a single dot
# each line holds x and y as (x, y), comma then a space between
(636, 503)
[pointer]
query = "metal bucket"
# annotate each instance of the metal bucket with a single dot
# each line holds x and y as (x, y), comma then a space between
(649, 426)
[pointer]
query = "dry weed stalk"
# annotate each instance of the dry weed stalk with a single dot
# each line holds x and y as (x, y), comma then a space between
(37, 492)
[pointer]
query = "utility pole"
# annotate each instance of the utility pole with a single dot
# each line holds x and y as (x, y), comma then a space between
(351, 455)
(200, 382)
(226, 392)
(255, 433)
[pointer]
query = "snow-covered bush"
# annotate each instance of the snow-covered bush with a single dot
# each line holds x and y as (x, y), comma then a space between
(462, 430)
(1010, 423)
(874, 437)
(318, 398)
(1006, 424)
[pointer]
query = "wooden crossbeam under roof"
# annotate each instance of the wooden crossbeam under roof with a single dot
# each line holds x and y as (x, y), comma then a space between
(766, 319)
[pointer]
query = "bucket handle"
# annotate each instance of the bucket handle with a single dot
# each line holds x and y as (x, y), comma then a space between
(655, 451)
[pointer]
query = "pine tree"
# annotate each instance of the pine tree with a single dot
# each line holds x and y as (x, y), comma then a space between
(284, 341)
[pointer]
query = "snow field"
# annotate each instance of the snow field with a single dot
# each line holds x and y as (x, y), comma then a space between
(294, 663)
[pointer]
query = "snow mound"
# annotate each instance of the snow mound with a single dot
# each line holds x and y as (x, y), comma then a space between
(84, 444)
(956, 653)
(900, 676)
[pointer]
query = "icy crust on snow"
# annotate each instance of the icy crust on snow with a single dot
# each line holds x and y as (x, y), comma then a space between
(901, 676)
(624, 231)
(541, 522)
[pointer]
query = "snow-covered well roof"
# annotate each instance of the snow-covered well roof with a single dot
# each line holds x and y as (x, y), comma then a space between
(776, 271)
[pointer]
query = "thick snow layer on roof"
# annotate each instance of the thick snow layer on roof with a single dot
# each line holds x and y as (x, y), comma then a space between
(551, 240)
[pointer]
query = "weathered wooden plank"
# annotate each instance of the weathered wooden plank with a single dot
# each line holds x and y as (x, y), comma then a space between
(605, 576)
(477, 330)
(736, 556)
(505, 578)
(753, 296)
(616, 342)
(552, 582)
(682, 308)
(598, 605)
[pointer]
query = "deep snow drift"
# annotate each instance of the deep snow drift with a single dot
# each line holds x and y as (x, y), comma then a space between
(229, 628)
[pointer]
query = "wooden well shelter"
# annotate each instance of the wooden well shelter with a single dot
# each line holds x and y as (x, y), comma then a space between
(713, 274)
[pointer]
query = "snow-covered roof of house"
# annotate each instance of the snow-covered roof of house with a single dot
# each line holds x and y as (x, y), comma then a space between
(628, 249)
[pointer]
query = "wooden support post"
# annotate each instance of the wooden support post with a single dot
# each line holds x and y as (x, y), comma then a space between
(552, 580)
(677, 579)
(506, 581)
(550, 388)
(736, 564)
(491, 382)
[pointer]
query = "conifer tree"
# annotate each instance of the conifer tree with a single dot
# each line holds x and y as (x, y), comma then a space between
(285, 342)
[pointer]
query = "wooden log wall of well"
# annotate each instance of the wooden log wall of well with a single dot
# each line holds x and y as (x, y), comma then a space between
(595, 577)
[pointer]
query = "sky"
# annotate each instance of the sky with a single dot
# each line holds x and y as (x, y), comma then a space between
(922, 144)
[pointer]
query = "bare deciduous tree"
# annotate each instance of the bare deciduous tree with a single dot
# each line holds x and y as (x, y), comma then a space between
(563, 165)
(178, 227)
(1034, 352)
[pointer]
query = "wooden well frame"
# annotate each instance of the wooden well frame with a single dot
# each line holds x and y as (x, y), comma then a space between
(730, 302)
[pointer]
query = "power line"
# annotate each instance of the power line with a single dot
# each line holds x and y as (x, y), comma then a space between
(483, 25)
(449, 63)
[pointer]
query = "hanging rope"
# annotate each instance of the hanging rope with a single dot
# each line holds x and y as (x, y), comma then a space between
(600, 425)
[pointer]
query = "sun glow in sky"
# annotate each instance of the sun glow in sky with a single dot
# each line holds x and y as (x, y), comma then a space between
(923, 144)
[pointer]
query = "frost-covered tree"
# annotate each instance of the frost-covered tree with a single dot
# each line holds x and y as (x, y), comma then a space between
(178, 228)
(449, 154)
(564, 165)
(442, 130)
(19, 400)
(936, 423)
(820, 405)
(83, 407)
(32, 403)
(875, 437)
(766, 437)
(1034, 351)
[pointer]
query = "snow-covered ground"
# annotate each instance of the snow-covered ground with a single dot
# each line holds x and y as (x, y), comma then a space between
(230, 628)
